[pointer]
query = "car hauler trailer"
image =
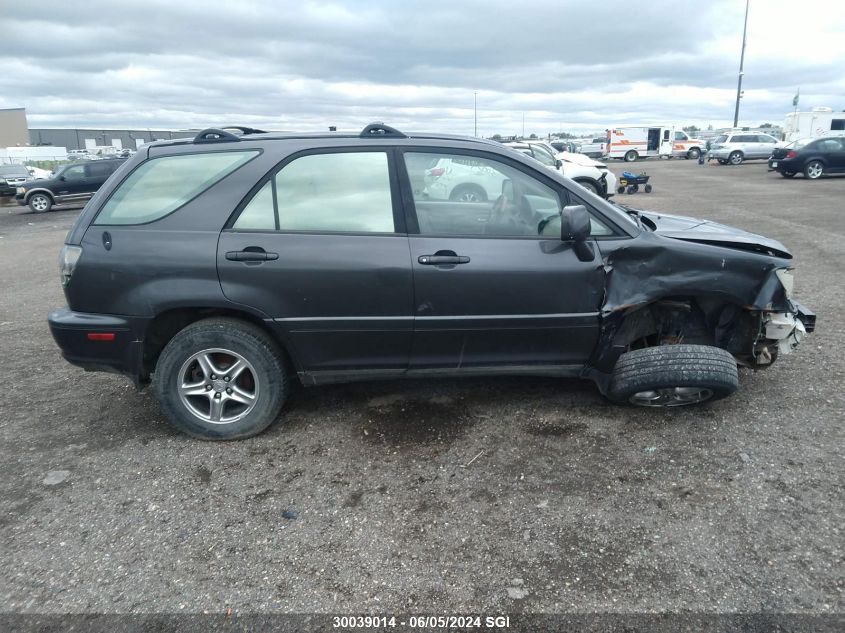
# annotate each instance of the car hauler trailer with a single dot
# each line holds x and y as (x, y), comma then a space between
(815, 124)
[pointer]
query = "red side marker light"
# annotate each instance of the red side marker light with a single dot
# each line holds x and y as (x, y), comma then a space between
(101, 336)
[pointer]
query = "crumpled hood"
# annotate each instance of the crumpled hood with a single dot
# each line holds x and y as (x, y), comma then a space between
(579, 159)
(707, 232)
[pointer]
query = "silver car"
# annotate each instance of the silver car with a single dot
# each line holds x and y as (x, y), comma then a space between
(736, 147)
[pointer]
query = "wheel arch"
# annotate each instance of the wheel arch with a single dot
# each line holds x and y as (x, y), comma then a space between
(32, 192)
(166, 324)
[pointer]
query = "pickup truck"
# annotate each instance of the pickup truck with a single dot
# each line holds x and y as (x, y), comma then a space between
(595, 148)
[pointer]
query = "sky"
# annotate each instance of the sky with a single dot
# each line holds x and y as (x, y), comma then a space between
(570, 65)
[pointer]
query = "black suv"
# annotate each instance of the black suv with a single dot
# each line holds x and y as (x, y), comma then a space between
(222, 267)
(12, 177)
(76, 182)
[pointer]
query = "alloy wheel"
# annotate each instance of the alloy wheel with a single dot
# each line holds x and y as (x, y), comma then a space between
(218, 386)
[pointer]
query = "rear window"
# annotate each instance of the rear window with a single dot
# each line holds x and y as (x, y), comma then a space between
(162, 185)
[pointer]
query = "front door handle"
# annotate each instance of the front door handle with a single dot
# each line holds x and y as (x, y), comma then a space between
(251, 254)
(439, 258)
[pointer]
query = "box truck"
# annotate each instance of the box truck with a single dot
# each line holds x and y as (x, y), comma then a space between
(814, 124)
(632, 142)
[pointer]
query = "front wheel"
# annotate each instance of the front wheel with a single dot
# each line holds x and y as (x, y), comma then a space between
(221, 379)
(673, 375)
(631, 156)
(814, 170)
(735, 158)
(40, 202)
(694, 153)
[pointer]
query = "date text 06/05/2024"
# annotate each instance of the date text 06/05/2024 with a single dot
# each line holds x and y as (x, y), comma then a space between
(421, 622)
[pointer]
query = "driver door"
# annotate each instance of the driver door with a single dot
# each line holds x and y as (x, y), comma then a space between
(494, 285)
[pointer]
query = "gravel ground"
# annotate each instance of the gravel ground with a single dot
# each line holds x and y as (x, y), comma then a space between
(480, 495)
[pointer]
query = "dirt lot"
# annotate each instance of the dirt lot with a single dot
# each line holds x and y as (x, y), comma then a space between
(493, 495)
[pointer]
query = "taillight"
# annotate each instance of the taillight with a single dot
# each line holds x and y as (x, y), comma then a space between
(791, 154)
(67, 262)
(437, 171)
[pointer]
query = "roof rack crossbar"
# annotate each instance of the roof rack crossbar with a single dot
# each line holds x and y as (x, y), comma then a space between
(244, 130)
(381, 130)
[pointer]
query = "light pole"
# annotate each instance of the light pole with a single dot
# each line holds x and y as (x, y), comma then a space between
(741, 62)
(475, 112)
(523, 125)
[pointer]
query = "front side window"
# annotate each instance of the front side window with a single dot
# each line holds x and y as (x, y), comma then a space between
(471, 195)
(161, 185)
(343, 191)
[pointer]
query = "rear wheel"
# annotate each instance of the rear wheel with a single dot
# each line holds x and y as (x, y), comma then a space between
(694, 153)
(673, 375)
(735, 158)
(221, 379)
(40, 202)
(814, 169)
(648, 188)
(631, 156)
(468, 193)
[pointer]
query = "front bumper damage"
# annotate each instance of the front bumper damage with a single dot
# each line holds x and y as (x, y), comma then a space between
(782, 332)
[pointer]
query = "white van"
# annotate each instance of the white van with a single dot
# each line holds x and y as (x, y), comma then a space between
(634, 142)
(815, 124)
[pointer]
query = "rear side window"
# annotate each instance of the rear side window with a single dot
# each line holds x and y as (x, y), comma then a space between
(99, 169)
(344, 191)
(162, 185)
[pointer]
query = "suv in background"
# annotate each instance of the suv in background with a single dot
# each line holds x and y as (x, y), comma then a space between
(76, 182)
(223, 267)
(736, 147)
(11, 177)
(595, 177)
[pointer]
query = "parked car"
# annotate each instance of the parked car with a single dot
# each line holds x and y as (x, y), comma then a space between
(11, 177)
(223, 267)
(812, 157)
(736, 147)
(75, 182)
(566, 146)
(78, 154)
(595, 177)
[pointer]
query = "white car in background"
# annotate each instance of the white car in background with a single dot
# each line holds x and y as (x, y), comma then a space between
(590, 174)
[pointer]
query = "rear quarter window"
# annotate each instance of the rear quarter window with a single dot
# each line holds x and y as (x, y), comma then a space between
(159, 186)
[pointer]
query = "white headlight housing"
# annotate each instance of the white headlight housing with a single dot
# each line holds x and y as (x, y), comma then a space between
(787, 279)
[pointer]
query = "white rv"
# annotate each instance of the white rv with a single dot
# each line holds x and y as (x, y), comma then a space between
(817, 123)
(641, 141)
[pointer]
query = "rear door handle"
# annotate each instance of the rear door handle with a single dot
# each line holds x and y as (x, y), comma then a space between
(251, 254)
(437, 260)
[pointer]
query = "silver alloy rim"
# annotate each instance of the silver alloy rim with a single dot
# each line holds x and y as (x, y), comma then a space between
(39, 203)
(736, 159)
(814, 170)
(218, 386)
(670, 397)
(469, 196)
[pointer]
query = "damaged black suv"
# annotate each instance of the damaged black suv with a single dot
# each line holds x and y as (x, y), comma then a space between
(221, 267)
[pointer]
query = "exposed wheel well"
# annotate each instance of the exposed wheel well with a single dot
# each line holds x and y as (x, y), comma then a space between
(44, 192)
(165, 325)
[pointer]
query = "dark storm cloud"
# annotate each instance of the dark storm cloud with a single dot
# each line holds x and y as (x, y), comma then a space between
(309, 64)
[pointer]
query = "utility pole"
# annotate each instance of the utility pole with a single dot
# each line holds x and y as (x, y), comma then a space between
(523, 125)
(475, 112)
(741, 62)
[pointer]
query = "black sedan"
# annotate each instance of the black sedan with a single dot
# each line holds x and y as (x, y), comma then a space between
(812, 157)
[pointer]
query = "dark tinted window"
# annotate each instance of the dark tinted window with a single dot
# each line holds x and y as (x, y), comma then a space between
(829, 145)
(837, 124)
(77, 172)
(101, 169)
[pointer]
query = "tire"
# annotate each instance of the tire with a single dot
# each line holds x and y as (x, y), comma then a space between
(589, 186)
(694, 153)
(648, 188)
(722, 161)
(814, 170)
(736, 158)
(221, 341)
(630, 189)
(673, 375)
(620, 189)
(40, 203)
(468, 193)
(631, 156)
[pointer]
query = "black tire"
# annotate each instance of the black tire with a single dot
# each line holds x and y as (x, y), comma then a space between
(40, 203)
(648, 188)
(590, 186)
(694, 153)
(631, 156)
(722, 161)
(242, 338)
(468, 193)
(702, 373)
(736, 158)
(620, 189)
(630, 189)
(814, 170)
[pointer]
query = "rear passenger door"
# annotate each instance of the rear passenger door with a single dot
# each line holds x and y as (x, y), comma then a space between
(319, 246)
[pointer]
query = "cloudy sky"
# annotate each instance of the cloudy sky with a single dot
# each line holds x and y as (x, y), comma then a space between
(564, 64)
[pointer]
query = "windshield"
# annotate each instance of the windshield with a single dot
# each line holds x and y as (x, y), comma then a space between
(13, 170)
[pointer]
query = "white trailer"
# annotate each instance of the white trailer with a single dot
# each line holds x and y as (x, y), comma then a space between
(632, 142)
(814, 124)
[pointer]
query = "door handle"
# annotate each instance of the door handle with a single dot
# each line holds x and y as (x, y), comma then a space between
(438, 260)
(251, 254)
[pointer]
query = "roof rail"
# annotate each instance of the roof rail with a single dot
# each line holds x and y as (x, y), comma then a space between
(220, 135)
(381, 130)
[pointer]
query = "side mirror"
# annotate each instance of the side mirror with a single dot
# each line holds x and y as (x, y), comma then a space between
(575, 227)
(558, 163)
